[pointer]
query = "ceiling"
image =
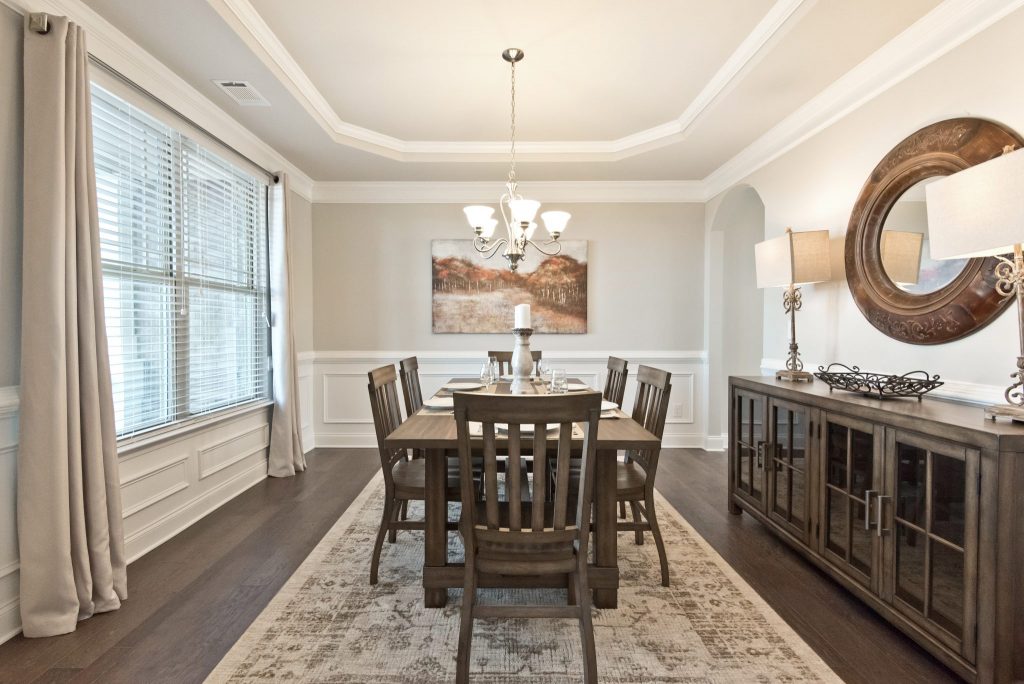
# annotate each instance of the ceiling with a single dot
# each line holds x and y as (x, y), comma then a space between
(609, 90)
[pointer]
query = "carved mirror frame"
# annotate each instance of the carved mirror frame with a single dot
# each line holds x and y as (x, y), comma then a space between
(970, 301)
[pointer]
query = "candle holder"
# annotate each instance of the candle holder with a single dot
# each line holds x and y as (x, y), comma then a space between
(522, 361)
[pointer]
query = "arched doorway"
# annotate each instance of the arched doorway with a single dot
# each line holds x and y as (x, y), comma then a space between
(735, 306)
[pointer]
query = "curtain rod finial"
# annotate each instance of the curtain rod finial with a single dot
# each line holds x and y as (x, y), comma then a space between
(39, 22)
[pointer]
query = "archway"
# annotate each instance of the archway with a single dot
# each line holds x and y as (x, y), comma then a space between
(735, 306)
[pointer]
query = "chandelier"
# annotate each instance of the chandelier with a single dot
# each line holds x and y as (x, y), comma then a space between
(519, 213)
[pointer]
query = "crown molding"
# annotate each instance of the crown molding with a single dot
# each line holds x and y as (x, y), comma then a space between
(113, 47)
(246, 21)
(571, 192)
(949, 25)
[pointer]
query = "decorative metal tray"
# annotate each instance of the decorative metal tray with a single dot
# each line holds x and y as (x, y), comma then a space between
(913, 384)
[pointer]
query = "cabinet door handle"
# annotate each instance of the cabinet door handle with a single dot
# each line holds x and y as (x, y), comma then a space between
(760, 454)
(878, 514)
(867, 508)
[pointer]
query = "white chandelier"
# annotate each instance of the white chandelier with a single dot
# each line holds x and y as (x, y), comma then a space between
(519, 213)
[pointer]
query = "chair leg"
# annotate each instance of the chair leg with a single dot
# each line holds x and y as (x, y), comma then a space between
(385, 519)
(466, 624)
(405, 510)
(586, 627)
(652, 519)
(637, 518)
(396, 512)
(622, 510)
(572, 593)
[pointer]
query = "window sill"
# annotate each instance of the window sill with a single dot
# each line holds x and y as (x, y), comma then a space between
(186, 428)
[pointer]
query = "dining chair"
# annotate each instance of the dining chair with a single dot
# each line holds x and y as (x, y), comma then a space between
(404, 480)
(635, 477)
(505, 361)
(409, 371)
(527, 532)
(615, 383)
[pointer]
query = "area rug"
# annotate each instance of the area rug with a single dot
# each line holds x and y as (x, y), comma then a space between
(327, 624)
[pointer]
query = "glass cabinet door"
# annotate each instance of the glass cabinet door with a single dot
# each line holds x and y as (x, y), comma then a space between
(931, 541)
(850, 479)
(789, 456)
(748, 445)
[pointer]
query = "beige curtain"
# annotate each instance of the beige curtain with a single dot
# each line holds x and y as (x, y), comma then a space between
(70, 537)
(286, 456)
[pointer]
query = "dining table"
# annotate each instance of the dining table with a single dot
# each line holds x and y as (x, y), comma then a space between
(433, 432)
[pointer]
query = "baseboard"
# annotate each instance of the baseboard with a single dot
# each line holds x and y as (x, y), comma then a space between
(715, 442)
(10, 619)
(153, 535)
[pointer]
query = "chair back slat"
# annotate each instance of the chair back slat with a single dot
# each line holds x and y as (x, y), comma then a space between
(409, 370)
(540, 466)
(514, 479)
(504, 359)
(387, 415)
(615, 384)
(650, 409)
(563, 455)
(548, 511)
(491, 496)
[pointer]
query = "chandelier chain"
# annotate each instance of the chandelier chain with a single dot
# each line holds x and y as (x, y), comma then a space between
(512, 127)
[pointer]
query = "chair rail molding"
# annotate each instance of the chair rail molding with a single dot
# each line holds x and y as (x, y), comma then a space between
(336, 407)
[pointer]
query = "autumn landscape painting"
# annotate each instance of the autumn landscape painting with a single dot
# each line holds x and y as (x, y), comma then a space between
(476, 295)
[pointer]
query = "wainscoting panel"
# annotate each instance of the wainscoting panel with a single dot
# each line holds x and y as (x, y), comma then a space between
(341, 409)
(165, 486)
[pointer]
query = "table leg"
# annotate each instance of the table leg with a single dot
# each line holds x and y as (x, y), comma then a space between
(605, 542)
(435, 511)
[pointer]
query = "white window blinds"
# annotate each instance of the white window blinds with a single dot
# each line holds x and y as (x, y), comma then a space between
(183, 236)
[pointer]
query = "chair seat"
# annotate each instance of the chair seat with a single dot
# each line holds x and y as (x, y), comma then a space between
(630, 480)
(411, 476)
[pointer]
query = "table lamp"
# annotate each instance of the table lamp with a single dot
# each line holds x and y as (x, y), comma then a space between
(788, 261)
(979, 212)
(901, 256)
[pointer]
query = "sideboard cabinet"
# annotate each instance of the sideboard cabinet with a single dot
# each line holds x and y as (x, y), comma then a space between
(917, 507)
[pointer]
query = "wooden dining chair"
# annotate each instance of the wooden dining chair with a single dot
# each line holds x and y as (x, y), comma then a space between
(505, 361)
(527, 533)
(404, 480)
(635, 477)
(615, 383)
(409, 371)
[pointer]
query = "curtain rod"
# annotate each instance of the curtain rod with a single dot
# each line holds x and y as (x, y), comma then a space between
(40, 23)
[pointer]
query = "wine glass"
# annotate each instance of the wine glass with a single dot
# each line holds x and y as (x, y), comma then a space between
(544, 371)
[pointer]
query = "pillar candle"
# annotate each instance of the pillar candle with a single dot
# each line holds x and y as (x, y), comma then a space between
(522, 316)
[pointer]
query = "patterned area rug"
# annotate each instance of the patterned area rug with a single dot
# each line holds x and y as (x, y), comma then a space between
(328, 624)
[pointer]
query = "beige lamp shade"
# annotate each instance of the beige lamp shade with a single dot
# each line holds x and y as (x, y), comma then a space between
(793, 258)
(978, 211)
(901, 255)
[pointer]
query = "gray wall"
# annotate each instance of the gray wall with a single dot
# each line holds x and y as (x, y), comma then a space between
(10, 194)
(371, 270)
(301, 226)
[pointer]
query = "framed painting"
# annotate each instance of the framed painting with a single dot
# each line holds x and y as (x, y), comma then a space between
(476, 295)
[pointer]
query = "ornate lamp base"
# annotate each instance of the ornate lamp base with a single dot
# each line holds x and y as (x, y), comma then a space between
(794, 376)
(522, 362)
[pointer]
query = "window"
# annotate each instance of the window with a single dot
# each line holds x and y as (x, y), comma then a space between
(183, 241)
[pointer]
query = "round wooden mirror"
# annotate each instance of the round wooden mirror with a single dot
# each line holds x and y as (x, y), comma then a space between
(935, 302)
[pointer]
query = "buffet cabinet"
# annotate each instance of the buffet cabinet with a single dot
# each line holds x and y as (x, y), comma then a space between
(917, 507)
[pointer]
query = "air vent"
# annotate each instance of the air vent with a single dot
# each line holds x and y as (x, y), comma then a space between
(243, 93)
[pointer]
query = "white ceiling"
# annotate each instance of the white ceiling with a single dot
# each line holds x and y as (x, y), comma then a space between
(609, 90)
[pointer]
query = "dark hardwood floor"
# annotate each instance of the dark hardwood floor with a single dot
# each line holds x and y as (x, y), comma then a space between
(190, 599)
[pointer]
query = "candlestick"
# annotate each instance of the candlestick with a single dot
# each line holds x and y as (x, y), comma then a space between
(522, 361)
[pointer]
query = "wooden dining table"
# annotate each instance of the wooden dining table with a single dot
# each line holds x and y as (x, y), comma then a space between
(434, 432)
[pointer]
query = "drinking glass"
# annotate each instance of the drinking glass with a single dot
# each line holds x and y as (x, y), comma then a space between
(544, 371)
(495, 369)
(559, 383)
(487, 373)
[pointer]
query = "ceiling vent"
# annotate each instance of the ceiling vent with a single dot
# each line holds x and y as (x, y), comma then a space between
(243, 93)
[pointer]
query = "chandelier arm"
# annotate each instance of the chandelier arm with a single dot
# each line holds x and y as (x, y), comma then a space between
(541, 249)
(488, 248)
